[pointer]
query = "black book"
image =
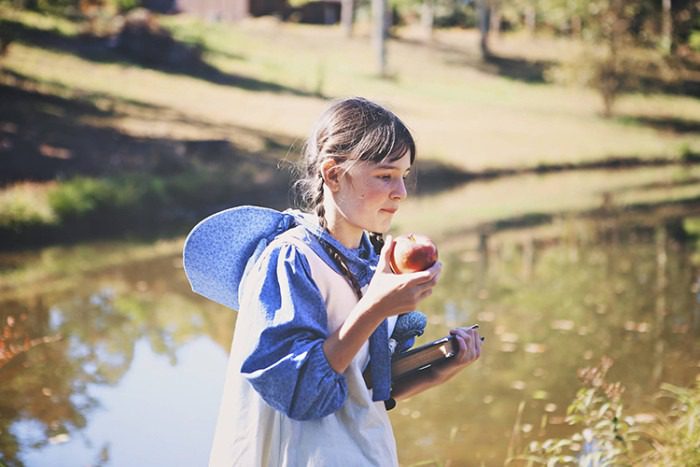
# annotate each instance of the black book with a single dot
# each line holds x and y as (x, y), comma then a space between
(412, 361)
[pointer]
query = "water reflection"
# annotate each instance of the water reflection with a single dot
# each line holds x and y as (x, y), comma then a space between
(60, 346)
(129, 337)
(159, 414)
(549, 306)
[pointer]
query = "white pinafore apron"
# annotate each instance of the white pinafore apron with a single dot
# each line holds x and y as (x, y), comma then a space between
(249, 433)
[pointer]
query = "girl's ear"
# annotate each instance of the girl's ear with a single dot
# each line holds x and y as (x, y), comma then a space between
(331, 172)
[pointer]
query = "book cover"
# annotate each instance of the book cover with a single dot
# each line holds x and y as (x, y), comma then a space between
(422, 357)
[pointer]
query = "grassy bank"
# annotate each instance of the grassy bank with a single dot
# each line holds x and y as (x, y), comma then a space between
(94, 142)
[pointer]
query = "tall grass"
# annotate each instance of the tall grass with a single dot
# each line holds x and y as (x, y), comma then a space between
(606, 434)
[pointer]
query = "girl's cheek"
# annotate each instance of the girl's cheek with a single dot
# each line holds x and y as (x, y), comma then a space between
(377, 185)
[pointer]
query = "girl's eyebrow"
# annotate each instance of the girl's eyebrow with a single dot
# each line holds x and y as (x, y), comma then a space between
(390, 167)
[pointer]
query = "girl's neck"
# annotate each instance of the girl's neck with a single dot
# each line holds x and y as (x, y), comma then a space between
(348, 235)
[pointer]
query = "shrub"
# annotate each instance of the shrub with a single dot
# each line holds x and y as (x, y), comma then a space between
(607, 436)
(78, 197)
(23, 206)
(675, 438)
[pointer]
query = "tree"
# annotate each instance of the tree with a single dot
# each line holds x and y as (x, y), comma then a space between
(613, 58)
(666, 26)
(427, 18)
(484, 15)
(379, 34)
(347, 13)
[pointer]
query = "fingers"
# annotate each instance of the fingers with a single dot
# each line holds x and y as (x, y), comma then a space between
(385, 255)
(432, 274)
(425, 293)
(402, 291)
(469, 343)
(425, 281)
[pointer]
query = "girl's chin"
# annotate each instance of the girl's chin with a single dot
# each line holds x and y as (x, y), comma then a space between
(377, 224)
(381, 227)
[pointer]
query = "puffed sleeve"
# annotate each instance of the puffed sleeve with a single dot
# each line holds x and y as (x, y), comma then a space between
(287, 365)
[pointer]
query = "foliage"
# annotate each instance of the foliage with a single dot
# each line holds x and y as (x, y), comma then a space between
(675, 439)
(612, 71)
(132, 198)
(74, 8)
(455, 13)
(607, 436)
(57, 7)
(21, 208)
(688, 155)
(84, 196)
(614, 59)
(127, 5)
(695, 41)
(297, 3)
(608, 25)
(625, 46)
(124, 202)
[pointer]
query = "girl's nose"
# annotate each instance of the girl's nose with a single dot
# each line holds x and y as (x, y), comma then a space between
(399, 192)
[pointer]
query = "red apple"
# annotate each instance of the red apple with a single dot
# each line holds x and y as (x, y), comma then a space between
(411, 253)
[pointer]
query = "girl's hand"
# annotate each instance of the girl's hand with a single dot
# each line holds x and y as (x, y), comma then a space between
(469, 350)
(469, 343)
(391, 294)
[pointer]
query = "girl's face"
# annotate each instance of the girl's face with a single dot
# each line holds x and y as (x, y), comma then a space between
(369, 194)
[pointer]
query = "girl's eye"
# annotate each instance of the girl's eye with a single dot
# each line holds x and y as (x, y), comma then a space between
(385, 178)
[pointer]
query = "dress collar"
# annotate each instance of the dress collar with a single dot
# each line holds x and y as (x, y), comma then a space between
(362, 260)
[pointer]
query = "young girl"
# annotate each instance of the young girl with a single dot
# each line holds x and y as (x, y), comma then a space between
(319, 306)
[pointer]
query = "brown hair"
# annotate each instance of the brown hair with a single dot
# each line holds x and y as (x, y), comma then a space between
(349, 131)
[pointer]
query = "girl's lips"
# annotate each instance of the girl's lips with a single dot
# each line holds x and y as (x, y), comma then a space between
(390, 211)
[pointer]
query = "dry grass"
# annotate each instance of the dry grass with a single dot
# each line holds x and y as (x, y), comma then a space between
(458, 108)
(461, 110)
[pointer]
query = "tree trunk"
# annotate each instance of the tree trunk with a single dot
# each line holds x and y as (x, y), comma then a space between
(379, 35)
(347, 13)
(666, 27)
(427, 16)
(484, 26)
(531, 19)
(576, 26)
(495, 27)
(390, 14)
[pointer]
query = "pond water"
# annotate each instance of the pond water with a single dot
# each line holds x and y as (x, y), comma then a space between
(109, 359)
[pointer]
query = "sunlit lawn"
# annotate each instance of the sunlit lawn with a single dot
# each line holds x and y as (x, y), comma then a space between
(459, 111)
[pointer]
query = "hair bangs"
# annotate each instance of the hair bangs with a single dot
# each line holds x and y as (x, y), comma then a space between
(387, 141)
